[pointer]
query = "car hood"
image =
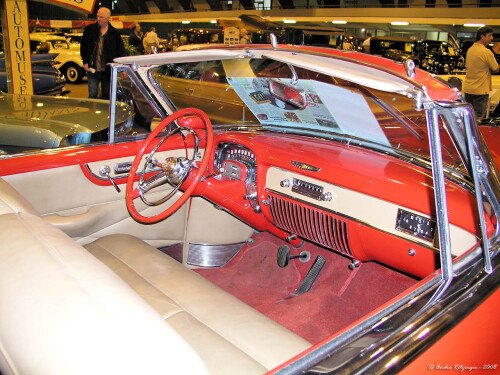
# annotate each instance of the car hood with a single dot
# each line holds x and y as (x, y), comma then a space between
(71, 114)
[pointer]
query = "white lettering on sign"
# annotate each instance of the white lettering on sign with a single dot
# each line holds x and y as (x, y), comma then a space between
(19, 47)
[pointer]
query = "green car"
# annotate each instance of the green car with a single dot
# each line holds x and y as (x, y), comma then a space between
(41, 122)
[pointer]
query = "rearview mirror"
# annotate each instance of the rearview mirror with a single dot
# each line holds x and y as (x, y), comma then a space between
(287, 93)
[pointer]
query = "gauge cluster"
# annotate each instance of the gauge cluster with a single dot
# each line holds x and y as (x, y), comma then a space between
(231, 157)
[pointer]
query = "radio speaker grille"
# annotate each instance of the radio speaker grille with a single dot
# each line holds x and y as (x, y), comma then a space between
(310, 223)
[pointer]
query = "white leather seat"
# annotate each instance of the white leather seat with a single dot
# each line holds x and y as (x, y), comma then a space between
(229, 336)
(11, 201)
(65, 311)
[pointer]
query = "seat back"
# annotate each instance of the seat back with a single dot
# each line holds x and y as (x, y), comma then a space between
(64, 312)
(11, 201)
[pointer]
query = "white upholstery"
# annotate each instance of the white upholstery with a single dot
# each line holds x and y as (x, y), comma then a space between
(11, 201)
(230, 336)
(62, 311)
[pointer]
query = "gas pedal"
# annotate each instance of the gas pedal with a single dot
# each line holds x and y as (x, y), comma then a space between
(311, 276)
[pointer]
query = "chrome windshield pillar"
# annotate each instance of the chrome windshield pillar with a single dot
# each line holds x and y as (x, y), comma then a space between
(478, 167)
(443, 224)
(112, 104)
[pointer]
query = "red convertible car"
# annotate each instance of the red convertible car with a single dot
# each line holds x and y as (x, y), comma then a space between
(276, 209)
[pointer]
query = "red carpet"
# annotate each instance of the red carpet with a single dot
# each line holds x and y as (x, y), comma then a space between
(338, 297)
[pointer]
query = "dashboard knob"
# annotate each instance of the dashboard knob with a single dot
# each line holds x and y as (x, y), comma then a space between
(326, 196)
(285, 183)
(250, 196)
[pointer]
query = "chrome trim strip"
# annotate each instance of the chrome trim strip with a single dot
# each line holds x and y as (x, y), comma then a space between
(115, 177)
(404, 329)
(305, 166)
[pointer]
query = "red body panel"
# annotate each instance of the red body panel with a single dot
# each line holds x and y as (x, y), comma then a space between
(470, 347)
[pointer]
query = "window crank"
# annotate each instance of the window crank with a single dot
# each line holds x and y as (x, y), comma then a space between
(104, 171)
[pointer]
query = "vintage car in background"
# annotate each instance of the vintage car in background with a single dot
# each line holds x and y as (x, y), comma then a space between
(312, 36)
(439, 57)
(47, 79)
(285, 210)
(348, 43)
(394, 48)
(29, 122)
(70, 62)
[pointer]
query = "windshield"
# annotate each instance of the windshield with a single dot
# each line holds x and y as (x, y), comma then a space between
(60, 44)
(237, 92)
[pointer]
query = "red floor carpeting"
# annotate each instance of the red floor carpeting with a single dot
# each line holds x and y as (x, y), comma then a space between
(338, 297)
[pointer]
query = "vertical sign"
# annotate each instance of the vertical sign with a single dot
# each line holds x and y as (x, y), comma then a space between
(18, 54)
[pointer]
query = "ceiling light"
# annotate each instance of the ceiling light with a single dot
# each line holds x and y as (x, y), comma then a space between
(186, 22)
(474, 24)
(399, 23)
(340, 22)
(289, 21)
(213, 21)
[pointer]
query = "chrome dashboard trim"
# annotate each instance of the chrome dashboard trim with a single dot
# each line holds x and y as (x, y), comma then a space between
(305, 166)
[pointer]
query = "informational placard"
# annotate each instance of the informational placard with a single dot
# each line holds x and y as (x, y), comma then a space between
(231, 35)
(18, 52)
(329, 107)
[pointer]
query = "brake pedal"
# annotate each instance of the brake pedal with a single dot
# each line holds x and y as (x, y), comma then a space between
(311, 276)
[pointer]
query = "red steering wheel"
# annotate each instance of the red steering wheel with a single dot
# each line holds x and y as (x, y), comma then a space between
(173, 169)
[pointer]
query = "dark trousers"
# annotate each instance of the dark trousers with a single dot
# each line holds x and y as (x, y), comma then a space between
(479, 102)
(96, 79)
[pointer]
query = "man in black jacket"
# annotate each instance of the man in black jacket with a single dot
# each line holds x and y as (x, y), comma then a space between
(100, 44)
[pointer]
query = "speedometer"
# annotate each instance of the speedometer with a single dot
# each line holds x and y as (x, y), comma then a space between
(240, 153)
(234, 152)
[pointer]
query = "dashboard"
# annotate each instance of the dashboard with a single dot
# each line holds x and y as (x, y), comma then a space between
(342, 198)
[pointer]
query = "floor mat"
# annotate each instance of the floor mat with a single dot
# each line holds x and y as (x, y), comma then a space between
(338, 297)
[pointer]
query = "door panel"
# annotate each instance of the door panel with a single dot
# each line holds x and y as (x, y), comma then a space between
(86, 211)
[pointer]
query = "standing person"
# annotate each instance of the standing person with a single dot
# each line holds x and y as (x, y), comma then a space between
(244, 38)
(366, 43)
(135, 38)
(480, 63)
(151, 41)
(496, 51)
(100, 44)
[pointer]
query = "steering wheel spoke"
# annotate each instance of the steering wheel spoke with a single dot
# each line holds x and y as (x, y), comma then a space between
(174, 170)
